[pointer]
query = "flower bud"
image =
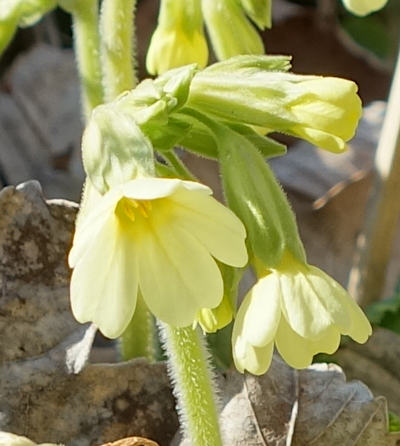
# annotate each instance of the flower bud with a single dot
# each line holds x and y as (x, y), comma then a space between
(179, 37)
(322, 110)
(230, 31)
(213, 319)
(364, 7)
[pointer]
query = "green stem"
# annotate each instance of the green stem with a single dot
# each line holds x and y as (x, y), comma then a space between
(177, 164)
(138, 339)
(191, 375)
(118, 46)
(87, 48)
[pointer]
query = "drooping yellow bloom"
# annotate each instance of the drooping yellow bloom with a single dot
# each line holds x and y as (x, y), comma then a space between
(179, 37)
(364, 7)
(301, 310)
(8, 439)
(159, 236)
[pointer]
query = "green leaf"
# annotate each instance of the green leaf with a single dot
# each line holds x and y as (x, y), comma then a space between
(386, 313)
(370, 33)
(394, 422)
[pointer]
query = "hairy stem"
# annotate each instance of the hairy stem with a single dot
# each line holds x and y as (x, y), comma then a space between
(87, 49)
(118, 50)
(191, 376)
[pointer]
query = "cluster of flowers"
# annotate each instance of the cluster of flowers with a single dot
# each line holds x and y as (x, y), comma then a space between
(179, 38)
(161, 237)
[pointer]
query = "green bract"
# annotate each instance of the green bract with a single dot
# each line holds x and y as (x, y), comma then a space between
(114, 149)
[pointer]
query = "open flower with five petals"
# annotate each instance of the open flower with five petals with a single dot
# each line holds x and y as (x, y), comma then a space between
(301, 310)
(158, 236)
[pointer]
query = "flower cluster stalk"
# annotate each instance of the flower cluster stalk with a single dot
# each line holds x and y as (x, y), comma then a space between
(191, 374)
(118, 46)
(87, 49)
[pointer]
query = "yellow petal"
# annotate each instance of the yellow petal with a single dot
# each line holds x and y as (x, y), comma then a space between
(360, 328)
(258, 317)
(214, 225)
(104, 281)
(153, 188)
(91, 221)
(178, 276)
(297, 351)
(310, 302)
(254, 359)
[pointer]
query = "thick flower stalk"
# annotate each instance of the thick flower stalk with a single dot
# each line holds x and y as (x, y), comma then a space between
(299, 309)
(364, 7)
(179, 37)
(159, 236)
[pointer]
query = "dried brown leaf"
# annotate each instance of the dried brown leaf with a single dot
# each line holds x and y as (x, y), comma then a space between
(311, 407)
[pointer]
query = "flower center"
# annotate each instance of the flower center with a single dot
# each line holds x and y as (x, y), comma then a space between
(132, 208)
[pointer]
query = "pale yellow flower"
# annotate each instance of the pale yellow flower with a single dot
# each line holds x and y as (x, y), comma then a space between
(159, 236)
(301, 310)
(179, 37)
(364, 7)
(8, 439)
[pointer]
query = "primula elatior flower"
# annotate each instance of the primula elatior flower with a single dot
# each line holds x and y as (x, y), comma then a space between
(157, 235)
(8, 439)
(322, 110)
(179, 37)
(301, 310)
(364, 7)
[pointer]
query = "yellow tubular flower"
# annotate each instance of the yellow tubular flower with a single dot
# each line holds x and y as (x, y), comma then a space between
(300, 309)
(364, 7)
(230, 31)
(179, 37)
(159, 235)
(7, 439)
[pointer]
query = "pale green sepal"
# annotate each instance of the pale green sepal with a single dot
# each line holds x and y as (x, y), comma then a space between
(114, 149)
(259, 11)
(256, 197)
(268, 147)
(252, 62)
(166, 137)
(177, 82)
(230, 32)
